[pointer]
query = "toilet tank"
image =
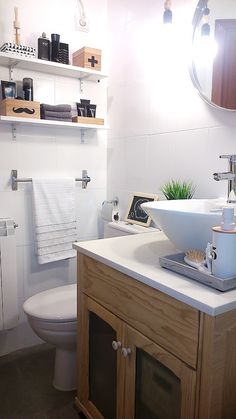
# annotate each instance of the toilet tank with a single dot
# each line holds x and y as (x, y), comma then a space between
(121, 228)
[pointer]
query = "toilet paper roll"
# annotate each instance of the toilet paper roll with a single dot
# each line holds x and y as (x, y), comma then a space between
(106, 212)
(115, 215)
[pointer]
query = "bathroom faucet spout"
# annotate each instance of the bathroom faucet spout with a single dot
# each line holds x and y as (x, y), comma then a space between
(224, 176)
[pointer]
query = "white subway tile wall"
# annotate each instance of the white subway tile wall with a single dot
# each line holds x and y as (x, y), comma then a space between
(159, 126)
(51, 151)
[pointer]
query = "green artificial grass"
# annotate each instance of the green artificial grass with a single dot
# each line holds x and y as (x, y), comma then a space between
(178, 190)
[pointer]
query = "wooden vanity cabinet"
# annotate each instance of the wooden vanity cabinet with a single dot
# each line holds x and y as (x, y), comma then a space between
(145, 355)
(123, 371)
(129, 339)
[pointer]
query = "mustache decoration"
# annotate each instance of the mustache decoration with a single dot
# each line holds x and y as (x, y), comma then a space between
(24, 110)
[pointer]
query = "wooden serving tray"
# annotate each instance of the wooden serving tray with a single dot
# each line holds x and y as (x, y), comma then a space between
(177, 264)
(86, 120)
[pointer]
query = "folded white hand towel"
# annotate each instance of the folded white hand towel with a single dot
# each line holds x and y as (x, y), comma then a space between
(54, 228)
(53, 257)
(54, 218)
(70, 238)
(48, 250)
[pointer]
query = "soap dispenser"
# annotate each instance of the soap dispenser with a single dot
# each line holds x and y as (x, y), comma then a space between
(224, 246)
(44, 48)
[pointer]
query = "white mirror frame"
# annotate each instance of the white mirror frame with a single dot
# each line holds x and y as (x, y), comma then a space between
(192, 69)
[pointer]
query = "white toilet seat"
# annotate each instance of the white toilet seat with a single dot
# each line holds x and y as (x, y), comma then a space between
(54, 305)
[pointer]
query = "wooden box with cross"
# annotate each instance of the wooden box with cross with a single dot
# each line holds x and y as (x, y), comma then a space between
(87, 57)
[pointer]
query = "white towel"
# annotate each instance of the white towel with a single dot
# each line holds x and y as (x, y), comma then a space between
(54, 219)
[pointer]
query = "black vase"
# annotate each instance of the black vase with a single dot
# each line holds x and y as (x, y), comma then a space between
(28, 89)
(55, 47)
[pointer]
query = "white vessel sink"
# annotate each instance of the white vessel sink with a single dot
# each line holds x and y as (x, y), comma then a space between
(187, 223)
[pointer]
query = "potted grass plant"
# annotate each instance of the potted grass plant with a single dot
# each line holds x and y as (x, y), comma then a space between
(175, 189)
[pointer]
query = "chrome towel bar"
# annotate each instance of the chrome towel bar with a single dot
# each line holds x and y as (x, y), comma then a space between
(85, 179)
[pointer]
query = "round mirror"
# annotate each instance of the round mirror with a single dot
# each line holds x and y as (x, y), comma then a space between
(213, 69)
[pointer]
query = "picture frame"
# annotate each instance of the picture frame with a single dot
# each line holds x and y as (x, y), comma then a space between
(135, 214)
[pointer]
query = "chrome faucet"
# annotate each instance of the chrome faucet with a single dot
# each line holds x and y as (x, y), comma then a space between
(230, 176)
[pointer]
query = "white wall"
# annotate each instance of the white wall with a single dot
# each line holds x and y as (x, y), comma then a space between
(48, 151)
(160, 127)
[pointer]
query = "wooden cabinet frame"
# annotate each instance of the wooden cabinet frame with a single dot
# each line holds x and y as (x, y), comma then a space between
(163, 319)
(199, 348)
(130, 338)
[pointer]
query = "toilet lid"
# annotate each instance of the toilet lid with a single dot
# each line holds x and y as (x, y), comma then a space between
(56, 304)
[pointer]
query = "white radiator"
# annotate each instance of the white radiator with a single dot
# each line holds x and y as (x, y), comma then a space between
(9, 313)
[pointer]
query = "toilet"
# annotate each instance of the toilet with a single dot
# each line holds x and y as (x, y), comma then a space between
(122, 228)
(52, 314)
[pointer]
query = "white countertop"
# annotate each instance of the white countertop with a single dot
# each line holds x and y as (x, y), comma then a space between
(138, 256)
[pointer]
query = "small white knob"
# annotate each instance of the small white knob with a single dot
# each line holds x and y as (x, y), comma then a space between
(125, 352)
(116, 345)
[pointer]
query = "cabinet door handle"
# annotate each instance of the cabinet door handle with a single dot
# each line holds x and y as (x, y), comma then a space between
(125, 352)
(116, 345)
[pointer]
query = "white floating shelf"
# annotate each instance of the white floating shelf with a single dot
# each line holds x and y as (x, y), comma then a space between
(34, 64)
(42, 122)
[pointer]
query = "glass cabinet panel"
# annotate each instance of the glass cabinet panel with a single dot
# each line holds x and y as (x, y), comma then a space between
(102, 366)
(157, 384)
(157, 389)
(101, 378)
